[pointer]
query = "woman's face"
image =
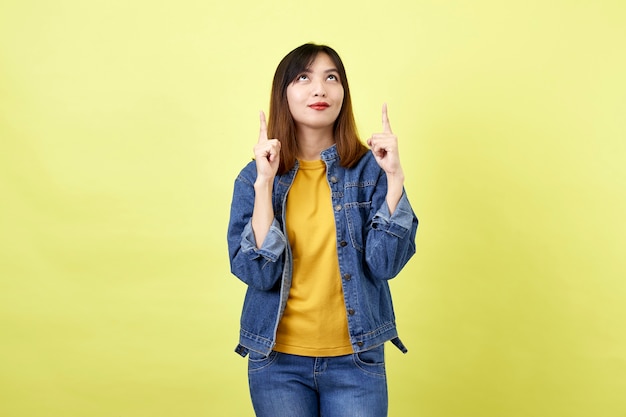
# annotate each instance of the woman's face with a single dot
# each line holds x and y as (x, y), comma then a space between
(316, 96)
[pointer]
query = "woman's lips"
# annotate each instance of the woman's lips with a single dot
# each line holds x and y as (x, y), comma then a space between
(319, 106)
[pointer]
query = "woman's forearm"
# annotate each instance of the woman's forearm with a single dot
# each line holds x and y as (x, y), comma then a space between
(263, 212)
(395, 188)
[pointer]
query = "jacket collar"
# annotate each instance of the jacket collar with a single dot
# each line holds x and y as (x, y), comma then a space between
(330, 154)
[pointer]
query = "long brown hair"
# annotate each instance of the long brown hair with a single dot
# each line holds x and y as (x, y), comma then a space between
(281, 124)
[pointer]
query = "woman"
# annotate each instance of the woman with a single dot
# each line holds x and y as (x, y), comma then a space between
(318, 224)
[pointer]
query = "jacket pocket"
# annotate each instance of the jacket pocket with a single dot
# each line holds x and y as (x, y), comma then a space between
(355, 214)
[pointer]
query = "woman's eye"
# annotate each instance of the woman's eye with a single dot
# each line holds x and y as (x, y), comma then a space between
(302, 77)
(333, 77)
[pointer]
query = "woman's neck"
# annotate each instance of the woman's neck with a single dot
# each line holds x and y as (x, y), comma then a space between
(311, 142)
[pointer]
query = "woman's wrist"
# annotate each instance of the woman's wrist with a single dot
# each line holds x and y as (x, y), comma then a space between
(263, 183)
(395, 180)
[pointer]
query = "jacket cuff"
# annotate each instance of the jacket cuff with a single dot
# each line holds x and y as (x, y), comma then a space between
(399, 223)
(273, 245)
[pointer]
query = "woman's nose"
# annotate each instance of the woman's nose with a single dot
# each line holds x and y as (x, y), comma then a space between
(319, 90)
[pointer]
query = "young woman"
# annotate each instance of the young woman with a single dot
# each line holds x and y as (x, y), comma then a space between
(318, 224)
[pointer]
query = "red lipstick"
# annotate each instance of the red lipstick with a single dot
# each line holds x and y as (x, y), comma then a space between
(319, 105)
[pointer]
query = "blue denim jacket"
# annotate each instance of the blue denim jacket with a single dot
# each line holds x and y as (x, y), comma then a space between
(372, 247)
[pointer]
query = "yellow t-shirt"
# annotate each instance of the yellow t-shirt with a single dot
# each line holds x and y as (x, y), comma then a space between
(314, 322)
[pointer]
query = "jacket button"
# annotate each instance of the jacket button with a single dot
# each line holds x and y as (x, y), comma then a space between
(359, 344)
(343, 243)
(351, 311)
(338, 207)
(347, 277)
(333, 179)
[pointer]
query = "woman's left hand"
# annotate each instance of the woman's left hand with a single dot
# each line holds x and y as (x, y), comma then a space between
(385, 148)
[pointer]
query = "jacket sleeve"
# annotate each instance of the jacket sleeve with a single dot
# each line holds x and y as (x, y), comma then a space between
(260, 268)
(390, 241)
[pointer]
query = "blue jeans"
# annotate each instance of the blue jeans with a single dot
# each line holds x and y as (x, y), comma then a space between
(283, 385)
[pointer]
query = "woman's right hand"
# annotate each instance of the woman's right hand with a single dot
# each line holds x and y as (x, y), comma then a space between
(266, 154)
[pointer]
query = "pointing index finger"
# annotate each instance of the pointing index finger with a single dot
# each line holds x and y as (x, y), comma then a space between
(263, 128)
(386, 124)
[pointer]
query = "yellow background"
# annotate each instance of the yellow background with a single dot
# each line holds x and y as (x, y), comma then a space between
(124, 123)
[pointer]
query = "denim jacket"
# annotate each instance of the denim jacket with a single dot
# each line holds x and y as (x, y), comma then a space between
(372, 247)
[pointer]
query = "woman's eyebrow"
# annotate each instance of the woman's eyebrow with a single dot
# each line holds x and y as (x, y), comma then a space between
(308, 70)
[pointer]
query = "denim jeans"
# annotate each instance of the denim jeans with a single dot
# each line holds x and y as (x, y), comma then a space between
(283, 385)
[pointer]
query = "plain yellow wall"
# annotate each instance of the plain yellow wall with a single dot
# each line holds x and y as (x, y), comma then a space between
(124, 123)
